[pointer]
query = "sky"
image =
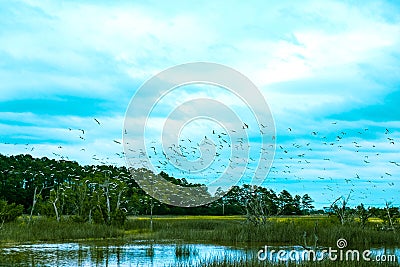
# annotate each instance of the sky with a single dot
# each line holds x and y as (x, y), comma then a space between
(329, 71)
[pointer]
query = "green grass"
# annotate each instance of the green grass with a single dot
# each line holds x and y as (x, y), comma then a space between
(42, 229)
(288, 231)
(185, 251)
(227, 230)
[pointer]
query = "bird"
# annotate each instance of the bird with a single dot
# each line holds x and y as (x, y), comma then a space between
(96, 120)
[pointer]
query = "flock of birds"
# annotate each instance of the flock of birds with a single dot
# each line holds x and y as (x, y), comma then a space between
(352, 160)
(297, 157)
(206, 157)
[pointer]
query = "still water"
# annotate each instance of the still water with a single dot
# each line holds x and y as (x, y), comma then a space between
(134, 254)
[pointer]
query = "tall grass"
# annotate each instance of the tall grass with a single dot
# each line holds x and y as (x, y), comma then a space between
(296, 231)
(42, 229)
(185, 251)
(288, 232)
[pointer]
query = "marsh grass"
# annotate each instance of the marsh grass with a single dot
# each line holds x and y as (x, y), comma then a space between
(229, 230)
(185, 251)
(42, 229)
(288, 232)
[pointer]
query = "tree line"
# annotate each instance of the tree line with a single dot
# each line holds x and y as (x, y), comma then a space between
(107, 194)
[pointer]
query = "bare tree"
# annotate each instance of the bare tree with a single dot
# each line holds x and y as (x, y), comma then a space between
(259, 206)
(389, 216)
(36, 196)
(54, 198)
(340, 209)
(315, 238)
(363, 214)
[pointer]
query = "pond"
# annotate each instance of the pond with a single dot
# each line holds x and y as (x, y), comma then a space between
(97, 254)
(141, 253)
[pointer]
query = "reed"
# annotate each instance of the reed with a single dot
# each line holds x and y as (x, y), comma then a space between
(185, 251)
(288, 231)
(42, 229)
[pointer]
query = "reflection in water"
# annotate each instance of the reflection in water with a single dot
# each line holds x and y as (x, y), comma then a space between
(133, 254)
(136, 254)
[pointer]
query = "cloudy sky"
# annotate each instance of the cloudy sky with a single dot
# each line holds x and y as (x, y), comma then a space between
(329, 71)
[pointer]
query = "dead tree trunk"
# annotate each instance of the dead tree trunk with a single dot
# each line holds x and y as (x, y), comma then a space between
(34, 201)
(54, 202)
(389, 217)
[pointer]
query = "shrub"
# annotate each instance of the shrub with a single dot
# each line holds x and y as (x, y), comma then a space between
(9, 212)
(118, 218)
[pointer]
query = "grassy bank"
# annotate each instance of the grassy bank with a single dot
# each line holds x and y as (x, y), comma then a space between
(288, 231)
(206, 229)
(42, 229)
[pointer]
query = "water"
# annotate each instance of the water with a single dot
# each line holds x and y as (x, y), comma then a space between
(138, 254)
(134, 254)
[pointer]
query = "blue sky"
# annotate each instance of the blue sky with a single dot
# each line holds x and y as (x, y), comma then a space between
(330, 67)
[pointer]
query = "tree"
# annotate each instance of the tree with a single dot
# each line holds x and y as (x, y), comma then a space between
(340, 209)
(287, 204)
(363, 214)
(260, 204)
(9, 212)
(389, 215)
(54, 200)
(306, 204)
(36, 197)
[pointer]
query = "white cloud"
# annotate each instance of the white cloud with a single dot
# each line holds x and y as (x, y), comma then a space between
(310, 59)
